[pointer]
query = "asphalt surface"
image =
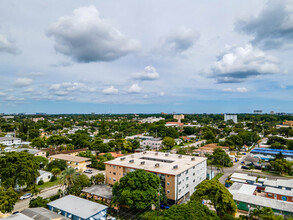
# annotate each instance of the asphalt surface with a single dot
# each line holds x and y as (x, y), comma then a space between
(23, 204)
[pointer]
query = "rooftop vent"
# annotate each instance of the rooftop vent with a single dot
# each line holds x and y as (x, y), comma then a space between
(122, 158)
(193, 158)
(175, 167)
(144, 152)
(156, 153)
(131, 161)
(142, 162)
(166, 155)
(157, 165)
(180, 156)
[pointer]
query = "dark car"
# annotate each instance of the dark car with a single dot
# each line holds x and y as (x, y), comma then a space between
(245, 167)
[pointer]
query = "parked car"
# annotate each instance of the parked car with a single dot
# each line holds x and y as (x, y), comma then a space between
(26, 196)
(88, 171)
(245, 167)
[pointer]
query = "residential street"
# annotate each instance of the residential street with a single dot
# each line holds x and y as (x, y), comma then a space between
(23, 204)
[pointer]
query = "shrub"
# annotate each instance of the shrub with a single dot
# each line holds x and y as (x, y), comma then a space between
(53, 178)
(41, 182)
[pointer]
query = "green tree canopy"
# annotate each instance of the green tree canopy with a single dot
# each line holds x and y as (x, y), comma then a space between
(8, 199)
(193, 210)
(220, 197)
(168, 142)
(220, 157)
(61, 164)
(282, 165)
(18, 169)
(138, 189)
(39, 202)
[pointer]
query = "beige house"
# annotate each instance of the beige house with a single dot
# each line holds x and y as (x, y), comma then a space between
(179, 174)
(78, 163)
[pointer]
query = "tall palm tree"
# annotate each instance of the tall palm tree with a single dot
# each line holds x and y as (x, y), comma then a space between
(67, 178)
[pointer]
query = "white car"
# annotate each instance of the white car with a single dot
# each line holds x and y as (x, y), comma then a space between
(26, 196)
(88, 171)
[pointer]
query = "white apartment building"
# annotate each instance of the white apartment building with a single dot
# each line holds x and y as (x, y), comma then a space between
(151, 119)
(10, 141)
(154, 144)
(230, 117)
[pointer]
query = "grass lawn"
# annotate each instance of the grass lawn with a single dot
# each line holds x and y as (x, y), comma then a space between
(48, 185)
(176, 147)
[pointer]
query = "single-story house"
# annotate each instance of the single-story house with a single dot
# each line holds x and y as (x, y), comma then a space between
(76, 208)
(100, 192)
(44, 175)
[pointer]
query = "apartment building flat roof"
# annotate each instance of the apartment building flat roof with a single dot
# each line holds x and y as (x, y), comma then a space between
(158, 162)
(278, 191)
(69, 158)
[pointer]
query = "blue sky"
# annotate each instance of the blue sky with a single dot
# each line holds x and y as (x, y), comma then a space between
(146, 56)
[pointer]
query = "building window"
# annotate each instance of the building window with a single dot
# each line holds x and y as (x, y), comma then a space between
(168, 183)
(114, 179)
(270, 195)
(114, 167)
(186, 171)
(187, 185)
(114, 173)
(193, 174)
(168, 191)
(109, 178)
(193, 180)
(187, 178)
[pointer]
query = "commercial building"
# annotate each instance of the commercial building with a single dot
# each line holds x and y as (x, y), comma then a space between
(179, 174)
(279, 194)
(230, 117)
(75, 208)
(243, 178)
(270, 154)
(78, 163)
(247, 198)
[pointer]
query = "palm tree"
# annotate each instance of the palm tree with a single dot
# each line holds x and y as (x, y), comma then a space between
(67, 178)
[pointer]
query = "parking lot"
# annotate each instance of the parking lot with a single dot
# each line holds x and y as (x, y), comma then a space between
(95, 172)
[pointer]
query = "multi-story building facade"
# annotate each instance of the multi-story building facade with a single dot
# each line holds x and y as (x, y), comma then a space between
(230, 117)
(10, 141)
(75, 162)
(179, 174)
(153, 144)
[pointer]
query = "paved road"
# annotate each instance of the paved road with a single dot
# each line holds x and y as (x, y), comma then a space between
(23, 204)
(237, 169)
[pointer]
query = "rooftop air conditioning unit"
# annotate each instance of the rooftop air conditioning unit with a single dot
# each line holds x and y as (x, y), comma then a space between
(122, 158)
(157, 165)
(180, 156)
(156, 153)
(175, 167)
(193, 158)
(142, 162)
(166, 155)
(131, 161)
(144, 152)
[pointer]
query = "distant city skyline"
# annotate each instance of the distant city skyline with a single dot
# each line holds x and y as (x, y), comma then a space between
(76, 56)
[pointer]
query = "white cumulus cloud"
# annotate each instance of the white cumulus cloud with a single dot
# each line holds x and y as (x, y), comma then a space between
(242, 89)
(149, 73)
(240, 63)
(7, 45)
(85, 37)
(135, 88)
(110, 91)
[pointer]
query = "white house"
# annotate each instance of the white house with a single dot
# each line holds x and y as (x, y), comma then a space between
(44, 175)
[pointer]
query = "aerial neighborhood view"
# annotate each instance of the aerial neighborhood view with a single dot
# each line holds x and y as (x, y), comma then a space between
(146, 110)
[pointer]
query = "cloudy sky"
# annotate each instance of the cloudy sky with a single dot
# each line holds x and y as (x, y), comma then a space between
(82, 56)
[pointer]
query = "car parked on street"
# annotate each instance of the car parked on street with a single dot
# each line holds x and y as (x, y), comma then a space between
(245, 167)
(26, 196)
